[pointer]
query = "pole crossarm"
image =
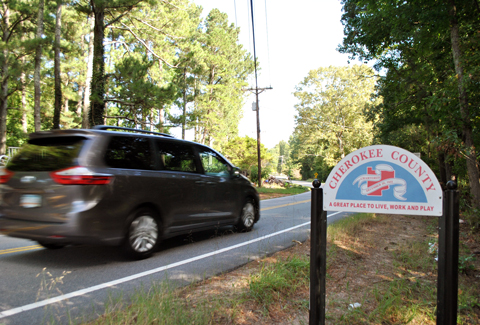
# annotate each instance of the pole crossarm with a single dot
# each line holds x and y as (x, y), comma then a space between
(258, 90)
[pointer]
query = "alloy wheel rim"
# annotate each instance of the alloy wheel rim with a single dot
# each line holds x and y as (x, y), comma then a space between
(143, 234)
(248, 215)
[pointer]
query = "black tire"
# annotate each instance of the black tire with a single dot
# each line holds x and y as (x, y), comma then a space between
(247, 216)
(143, 234)
(51, 245)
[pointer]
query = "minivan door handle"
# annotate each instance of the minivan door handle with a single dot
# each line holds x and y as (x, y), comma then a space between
(200, 183)
(211, 183)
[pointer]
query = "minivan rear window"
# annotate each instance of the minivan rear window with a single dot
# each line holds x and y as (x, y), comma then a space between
(47, 154)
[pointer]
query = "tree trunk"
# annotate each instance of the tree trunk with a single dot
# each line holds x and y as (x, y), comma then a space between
(152, 119)
(24, 100)
(86, 101)
(98, 73)
(81, 93)
(23, 82)
(3, 105)
(442, 169)
(4, 80)
(472, 168)
(38, 63)
(161, 118)
(58, 79)
(184, 115)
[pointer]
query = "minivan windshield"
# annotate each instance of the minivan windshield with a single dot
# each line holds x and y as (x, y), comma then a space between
(47, 154)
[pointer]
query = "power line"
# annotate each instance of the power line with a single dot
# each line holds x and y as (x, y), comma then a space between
(235, 6)
(249, 30)
(268, 44)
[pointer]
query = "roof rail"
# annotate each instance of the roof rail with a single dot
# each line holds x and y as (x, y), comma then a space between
(111, 127)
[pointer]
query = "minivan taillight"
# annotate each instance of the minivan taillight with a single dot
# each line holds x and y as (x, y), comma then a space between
(79, 176)
(5, 175)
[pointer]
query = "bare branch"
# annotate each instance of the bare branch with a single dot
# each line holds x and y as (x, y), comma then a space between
(147, 47)
(118, 18)
(119, 101)
(15, 24)
(171, 4)
(119, 42)
(158, 29)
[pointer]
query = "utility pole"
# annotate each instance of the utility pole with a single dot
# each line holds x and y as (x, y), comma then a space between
(257, 91)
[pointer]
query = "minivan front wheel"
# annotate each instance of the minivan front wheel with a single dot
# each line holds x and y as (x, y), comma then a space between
(142, 235)
(247, 216)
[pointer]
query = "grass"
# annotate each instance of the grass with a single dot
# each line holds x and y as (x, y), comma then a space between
(379, 262)
(160, 305)
(281, 279)
(291, 190)
(408, 295)
(273, 284)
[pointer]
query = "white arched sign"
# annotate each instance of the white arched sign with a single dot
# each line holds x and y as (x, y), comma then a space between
(383, 179)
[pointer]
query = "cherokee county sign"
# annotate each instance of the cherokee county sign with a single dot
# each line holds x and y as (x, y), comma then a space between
(383, 179)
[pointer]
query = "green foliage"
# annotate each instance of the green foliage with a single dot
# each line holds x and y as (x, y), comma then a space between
(472, 216)
(279, 279)
(281, 162)
(330, 118)
(289, 189)
(154, 58)
(465, 263)
(425, 108)
(221, 67)
(330, 123)
(138, 95)
(160, 305)
(253, 173)
(242, 152)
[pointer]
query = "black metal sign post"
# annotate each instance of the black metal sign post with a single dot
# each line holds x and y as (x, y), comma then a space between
(377, 169)
(318, 256)
(448, 238)
(448, 243)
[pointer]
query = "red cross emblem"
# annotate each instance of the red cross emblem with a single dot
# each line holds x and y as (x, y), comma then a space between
(384, 175)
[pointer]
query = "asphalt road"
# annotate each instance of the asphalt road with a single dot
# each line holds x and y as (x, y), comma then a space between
(73, 284)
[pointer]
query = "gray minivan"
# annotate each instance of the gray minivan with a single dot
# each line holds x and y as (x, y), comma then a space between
(90, 186)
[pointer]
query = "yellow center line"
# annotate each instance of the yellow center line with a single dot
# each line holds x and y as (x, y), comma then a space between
(19, 249)
(284, 205)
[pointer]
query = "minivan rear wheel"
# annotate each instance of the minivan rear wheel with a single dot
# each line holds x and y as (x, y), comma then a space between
(142, 235)
(247, 216)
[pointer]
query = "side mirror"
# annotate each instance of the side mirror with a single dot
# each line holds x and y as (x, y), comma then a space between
(236, 171)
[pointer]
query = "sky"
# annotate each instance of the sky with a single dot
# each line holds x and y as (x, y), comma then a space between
(292, 38)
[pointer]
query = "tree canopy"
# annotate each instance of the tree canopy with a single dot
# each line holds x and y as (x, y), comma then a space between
(427, 54)
(330, 121)
(147, 64)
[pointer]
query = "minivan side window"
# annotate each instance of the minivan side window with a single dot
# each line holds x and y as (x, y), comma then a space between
(129, 153)
(213, 164)
(176, 157)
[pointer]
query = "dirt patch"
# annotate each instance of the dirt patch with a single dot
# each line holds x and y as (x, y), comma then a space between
(267, 196)
(356, 264)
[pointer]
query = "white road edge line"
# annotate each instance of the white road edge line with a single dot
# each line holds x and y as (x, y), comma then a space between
(105, 285)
